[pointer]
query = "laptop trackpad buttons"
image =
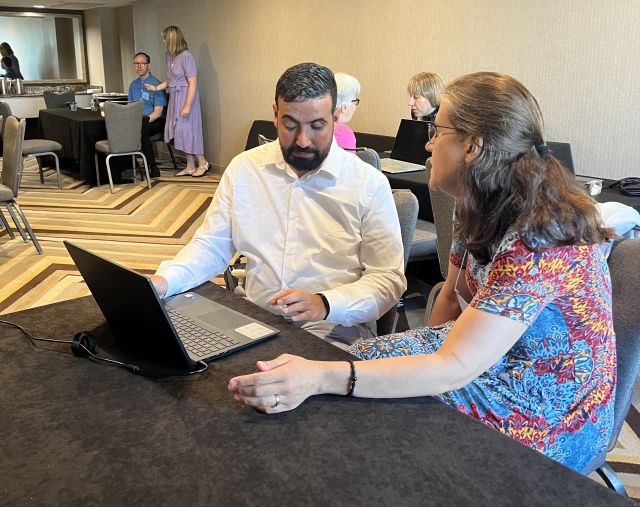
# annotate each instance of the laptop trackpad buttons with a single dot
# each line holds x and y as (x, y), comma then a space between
(223, 320)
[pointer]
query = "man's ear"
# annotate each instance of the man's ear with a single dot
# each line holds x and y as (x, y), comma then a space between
(275, 114)
(473, 148)
(336, 114)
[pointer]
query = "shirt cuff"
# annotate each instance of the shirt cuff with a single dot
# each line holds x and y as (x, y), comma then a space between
(173, 279)
(338, 305)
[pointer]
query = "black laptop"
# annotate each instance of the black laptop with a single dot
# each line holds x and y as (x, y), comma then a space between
(409, 152)
(178, 331)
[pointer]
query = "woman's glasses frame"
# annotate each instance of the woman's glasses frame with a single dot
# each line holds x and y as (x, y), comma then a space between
(433, 130)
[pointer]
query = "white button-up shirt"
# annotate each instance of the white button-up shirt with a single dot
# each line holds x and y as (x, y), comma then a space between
(335, 230)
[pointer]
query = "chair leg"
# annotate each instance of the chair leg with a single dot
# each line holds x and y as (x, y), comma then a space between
(16, 221)
(95, 157)
(135, 171)
(173, 159)
(58, 170)
(146, 169)
(430, 302)
(40, 168)
(109, 173)
(6, 225)
(611, 479)
(28, 227)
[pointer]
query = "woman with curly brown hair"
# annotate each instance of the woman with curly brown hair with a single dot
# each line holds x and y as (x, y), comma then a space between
(521, 336)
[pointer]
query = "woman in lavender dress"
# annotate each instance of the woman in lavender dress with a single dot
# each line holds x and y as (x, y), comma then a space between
(184, 121)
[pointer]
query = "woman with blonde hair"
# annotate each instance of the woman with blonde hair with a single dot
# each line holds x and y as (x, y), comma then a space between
(184, 119)
(424, 95)
(347, 101)
(521, 336)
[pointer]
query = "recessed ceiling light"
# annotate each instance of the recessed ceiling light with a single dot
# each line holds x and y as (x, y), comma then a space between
(38, 6)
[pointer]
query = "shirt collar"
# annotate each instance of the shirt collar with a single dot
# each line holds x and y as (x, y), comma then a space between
(149, 77)
(330, 165)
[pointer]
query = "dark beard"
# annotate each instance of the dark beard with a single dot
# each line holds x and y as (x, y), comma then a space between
(305, 164)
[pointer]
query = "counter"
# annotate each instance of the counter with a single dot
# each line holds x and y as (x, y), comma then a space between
(28, 106)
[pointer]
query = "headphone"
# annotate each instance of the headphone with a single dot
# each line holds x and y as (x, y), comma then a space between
(84, 345)
(628, 186)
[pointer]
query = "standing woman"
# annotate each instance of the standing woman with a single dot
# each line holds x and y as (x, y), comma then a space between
(184, 120)
(7, 52)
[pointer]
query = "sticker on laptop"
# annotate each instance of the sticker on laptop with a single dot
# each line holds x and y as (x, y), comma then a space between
(190, 296)
(254, 331)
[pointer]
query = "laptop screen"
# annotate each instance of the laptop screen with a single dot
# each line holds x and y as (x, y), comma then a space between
(410, 140)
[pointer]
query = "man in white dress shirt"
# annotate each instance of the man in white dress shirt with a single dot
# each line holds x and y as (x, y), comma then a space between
(318, 226)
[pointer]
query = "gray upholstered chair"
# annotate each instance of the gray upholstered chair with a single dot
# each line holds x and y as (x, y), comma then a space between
(625, 280)
(41, 148)
(35, 147)
(442, 206)
(407, 207)
(425, 245)
(12, 165)
(55, 100)
(369, 156)
(124, 127)
(5, 112)
(159, 138)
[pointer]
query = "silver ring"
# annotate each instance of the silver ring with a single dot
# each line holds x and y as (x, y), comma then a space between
(277, 401)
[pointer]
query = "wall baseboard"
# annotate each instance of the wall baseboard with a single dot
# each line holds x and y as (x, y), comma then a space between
(162, 153)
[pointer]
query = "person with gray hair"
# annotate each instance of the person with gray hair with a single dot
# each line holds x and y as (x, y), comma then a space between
(318, 226)
(348, 90)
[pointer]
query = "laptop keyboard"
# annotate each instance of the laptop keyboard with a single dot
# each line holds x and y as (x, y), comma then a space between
(196, 339)
(399, 163)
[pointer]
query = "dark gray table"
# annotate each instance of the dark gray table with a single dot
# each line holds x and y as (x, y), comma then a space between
(76, 433)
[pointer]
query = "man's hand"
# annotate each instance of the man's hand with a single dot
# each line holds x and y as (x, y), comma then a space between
(309, 306)
(160, 284)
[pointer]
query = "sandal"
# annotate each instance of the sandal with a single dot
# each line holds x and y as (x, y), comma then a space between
(188, 173)
(207, 167)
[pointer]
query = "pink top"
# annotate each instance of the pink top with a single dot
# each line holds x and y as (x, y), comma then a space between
(344, 136)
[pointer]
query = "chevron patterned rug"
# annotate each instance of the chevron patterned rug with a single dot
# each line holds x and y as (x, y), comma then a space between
(135, 227)
(139, 228)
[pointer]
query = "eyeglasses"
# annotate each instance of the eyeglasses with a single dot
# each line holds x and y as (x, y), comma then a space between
(357, 101)
(433, 130)
(138, 64)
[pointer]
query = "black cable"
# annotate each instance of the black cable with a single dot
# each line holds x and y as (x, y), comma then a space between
(131, 367)
(628, 186)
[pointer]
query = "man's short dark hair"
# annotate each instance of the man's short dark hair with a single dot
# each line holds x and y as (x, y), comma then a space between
(145, 55)
(7, 62)
(306, 81)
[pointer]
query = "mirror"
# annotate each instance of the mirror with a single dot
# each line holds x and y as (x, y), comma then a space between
(49, 47)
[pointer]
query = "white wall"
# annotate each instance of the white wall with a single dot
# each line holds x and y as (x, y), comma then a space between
(579, 58)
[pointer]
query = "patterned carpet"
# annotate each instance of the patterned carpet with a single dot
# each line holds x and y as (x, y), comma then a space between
(139, 228)
(135, 227)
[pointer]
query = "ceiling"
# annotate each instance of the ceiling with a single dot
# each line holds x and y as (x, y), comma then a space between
(66, 4)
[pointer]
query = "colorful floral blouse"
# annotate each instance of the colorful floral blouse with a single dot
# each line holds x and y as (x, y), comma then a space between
(554, 390)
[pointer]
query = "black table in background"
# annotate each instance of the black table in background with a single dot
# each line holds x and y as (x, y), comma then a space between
(77, 132)
(76, 433)
(415, 181)
(614, 195)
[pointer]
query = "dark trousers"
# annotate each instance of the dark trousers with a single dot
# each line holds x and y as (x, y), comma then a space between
(150, 129)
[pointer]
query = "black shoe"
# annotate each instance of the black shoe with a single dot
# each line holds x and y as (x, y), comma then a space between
(154, 172)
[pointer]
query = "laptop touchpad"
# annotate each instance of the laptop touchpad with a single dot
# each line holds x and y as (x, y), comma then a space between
(224, 320)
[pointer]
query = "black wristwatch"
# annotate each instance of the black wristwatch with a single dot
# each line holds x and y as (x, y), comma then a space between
(325, 303)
